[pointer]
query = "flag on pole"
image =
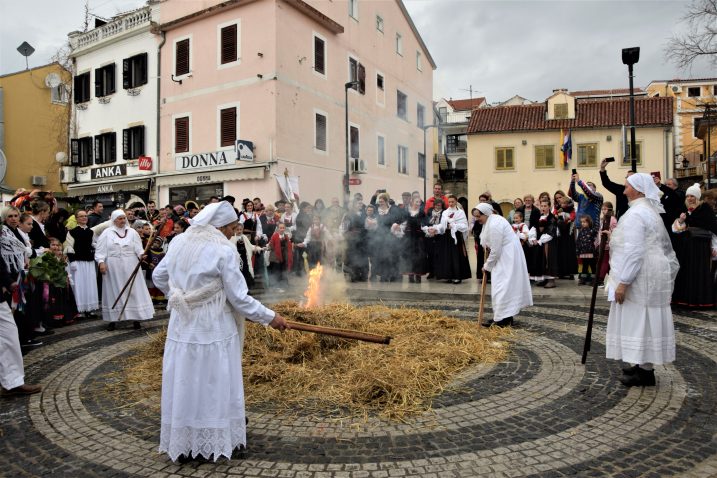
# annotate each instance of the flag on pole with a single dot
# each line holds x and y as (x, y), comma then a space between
(567, 148)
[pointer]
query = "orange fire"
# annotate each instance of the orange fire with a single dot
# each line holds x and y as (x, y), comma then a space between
(313, 290)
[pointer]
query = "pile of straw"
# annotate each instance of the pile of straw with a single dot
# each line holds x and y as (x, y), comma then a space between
(298, 371)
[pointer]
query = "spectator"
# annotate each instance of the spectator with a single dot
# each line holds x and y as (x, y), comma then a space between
(673, 201)
(618, 189)
(437, 194)
(517, 204)
(40, 214)
(531, 214)
(589, 201)
(95, 216)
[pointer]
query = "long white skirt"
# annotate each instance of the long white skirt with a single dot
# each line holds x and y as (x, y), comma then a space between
(638, 334)
(84, 278)
(139, 306)
(12, 372)
(202, 398)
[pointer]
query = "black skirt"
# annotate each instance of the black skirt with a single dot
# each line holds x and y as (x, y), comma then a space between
(566, 253)
(694, 285)
(452, 259)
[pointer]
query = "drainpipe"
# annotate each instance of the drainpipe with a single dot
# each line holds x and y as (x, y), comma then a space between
(2, 119)
(668, 172)
(159, 69)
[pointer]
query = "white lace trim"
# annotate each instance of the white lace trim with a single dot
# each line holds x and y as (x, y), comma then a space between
(206, 442)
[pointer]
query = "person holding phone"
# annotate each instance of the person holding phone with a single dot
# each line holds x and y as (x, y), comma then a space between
(618, 189)
(589, 201)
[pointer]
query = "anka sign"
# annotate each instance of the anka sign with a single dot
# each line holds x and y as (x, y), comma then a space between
(109, 171)
(204, 160)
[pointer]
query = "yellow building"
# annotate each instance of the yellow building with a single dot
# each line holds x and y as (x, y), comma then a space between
(516, 150)
(691, 97)
(34, 115)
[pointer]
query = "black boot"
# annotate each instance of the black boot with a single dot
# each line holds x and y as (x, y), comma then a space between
(111, 326)
(508, 321)
(630, 370)
(643, 378)
(136, 325)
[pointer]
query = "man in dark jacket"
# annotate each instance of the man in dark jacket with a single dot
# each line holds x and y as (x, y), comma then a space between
(40, 214)
(618, 189)
(95, 217)
(673, 200)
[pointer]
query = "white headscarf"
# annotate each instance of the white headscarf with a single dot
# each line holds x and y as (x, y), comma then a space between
(646, 185)
(115, 214)
(217, 214)
(485, 208)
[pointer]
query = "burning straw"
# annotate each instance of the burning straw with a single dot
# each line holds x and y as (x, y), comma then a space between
(317, 374)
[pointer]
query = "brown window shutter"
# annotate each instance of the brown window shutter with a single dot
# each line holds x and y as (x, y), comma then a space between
(182, 53)
(319, 55)
(229, 44)
(181, 135)
(228, 127)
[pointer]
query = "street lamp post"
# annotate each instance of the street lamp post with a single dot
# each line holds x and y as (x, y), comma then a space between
(347, 191)
(425, 158)
(630, 56)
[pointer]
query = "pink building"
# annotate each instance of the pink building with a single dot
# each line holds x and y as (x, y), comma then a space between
(273, 73)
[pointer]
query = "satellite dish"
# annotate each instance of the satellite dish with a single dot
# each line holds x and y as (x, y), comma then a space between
(60, 157)
(3, 165)
(53, 80)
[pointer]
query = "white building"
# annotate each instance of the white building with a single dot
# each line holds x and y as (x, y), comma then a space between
(114, 110)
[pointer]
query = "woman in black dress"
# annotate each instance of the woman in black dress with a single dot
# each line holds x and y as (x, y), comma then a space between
(386, 244)
(413, 247)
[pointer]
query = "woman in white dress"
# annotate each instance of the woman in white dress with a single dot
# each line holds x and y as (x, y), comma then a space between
(117, 252)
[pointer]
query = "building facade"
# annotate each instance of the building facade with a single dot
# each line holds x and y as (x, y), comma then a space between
(516, 150)
(113, 146)
(252, 91)
(34, 114)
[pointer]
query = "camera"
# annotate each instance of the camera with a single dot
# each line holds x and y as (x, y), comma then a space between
(575, 171)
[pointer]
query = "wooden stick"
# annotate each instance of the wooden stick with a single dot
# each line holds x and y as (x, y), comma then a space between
(139, 264)
(589, 331)
(482, 297)
(343, 333)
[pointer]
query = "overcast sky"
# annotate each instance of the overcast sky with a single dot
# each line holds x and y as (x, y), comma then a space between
(500, 48)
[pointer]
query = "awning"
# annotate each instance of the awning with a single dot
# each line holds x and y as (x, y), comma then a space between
(212, 176)
(108, 187)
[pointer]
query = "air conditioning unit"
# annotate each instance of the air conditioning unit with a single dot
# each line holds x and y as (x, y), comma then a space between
(38, 180)
(358, 166)
(67, 174)
(677, 89)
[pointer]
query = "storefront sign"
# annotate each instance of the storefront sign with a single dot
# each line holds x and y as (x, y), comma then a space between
(109, 171)
(245, 150)
(204, 178)
(204, 160)
(145, 163)
(108, 188)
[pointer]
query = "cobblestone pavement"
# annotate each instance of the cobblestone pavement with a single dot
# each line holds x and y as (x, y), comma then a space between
(539, 414)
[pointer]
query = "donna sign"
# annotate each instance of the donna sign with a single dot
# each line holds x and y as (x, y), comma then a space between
(204, 160)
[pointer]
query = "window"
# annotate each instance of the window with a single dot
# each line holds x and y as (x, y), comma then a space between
(544, 157)
(419, 61)
(58, 94)
(504, 158)
(379, 23)
(81, 152)
(456, 143)
(380, 89)
(443, 114)
(353, 9)
(228, 43)
(694, 91)
(381, 151)
(181, 57)
(133, 142)
(227, 126)
(402, 159)
(82, 88)
(106, 148)
(399, 44)
(560, 110)
(134, 71)
(420, 115)
(319, 55)
(587, 154)
(105, 80)
(627, 160)
(357, 72)
(320, 131)
(181, 134)
(421, 165)
(354, 140)
(695, 127)
(401, 105)
(379, 81)
(714, 90)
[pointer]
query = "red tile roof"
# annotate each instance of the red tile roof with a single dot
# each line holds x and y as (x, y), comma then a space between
(467, 104)
(613, 92)
(589, 114)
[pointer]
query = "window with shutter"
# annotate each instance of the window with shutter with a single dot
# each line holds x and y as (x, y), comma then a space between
(544, 157)
(182, 57)
(181, 135)
(354, 136)
(362, 79)
(319, 55)
(74, 152)
(420, 115)
(229, 51)
(228, 126)
(402, 159)
(98, 150)
(587, 154)
(85, 152)
(320, 142)
(134, 71)
(126, 144)
(401, 105)
(353, 71)
(421, 165)
(82, 88)
(504, 158)
(105, 80)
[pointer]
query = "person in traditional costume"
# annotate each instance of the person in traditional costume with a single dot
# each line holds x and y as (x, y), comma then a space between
(252, 223)
(643, 268)
(585, 250)
(433, 219)
(80, 249)
(246, 251)
(202, 405)
(154, 256)
(413, 251)
(298, 233)
(356, 263)
(452, 258)
(385, 242)
(519, 228)
(117, 252)
(281, 255)
(510, 286)
(693, 231)
(476, 230)
(316, 242)
(564, 212)
(546, 255)
(61, 301)
(604, 235)
(372, 239)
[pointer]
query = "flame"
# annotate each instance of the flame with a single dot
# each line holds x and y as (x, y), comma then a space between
(313, 290)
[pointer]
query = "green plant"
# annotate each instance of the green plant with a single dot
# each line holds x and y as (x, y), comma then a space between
(47, 268)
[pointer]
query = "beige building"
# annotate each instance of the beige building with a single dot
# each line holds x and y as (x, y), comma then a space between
(515, 150)
(34, 115)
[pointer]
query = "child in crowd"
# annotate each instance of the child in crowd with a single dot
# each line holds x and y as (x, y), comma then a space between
(604, 267)
(280, 255)
(316, 241)
(246, 251)
(154, 256)
(60, 302)
(519, 227)
(585, 248)
(178, 227)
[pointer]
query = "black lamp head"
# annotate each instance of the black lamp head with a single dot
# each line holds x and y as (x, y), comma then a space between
(630, 56)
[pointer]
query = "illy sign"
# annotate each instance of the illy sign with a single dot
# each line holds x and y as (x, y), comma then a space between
(145, 163)
(203, 160)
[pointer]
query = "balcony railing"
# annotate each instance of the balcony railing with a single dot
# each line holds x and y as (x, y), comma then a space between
(456, 117)
(126, 23)
(688, 172)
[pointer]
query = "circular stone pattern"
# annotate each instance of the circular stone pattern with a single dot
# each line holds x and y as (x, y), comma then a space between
(539, 413)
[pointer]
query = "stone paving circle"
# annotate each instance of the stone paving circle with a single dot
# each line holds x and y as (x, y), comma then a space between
(541, 413)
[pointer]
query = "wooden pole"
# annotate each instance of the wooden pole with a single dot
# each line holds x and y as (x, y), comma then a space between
(343, 333)
(482, 293)
(139, 264)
